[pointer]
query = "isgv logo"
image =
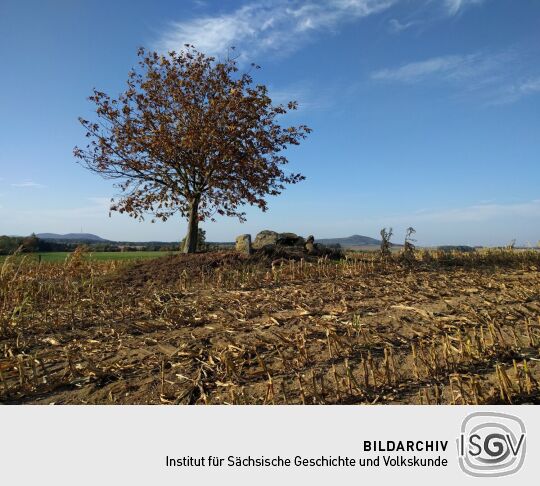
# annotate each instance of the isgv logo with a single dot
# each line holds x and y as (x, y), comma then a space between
(491, 444)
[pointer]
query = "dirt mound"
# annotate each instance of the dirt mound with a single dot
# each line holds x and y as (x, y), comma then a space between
(169, 269)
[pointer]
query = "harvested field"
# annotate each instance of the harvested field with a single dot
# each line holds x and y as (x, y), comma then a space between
(225, 329)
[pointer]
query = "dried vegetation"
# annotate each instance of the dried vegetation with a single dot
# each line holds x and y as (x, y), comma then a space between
(444, 328)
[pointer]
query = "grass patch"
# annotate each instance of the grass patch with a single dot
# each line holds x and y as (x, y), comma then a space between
(60, 256)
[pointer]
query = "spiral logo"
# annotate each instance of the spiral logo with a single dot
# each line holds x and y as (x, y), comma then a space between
(491, 444)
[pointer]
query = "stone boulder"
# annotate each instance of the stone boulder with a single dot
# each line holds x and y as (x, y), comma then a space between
(265, 238)
(310, 245)
(243, 244)
(290, 239)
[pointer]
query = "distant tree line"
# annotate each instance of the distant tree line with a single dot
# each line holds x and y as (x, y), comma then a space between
(33, 244)
(28, 244)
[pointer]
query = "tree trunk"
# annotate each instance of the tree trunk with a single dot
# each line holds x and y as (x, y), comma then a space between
(192, 237)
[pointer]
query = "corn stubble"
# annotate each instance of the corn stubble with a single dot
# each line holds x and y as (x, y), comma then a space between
(442, 328)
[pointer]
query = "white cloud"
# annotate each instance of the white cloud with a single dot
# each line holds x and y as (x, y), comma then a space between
(427, 11)
(282, 26)
(530, 86)
(98, 208)
(481, 213)
(515, 91)
(446, 66)
(494, 78)
(396, 26)
(263, 26)
(308, 96)
(30, 184)
(476, 67)
(454, 7)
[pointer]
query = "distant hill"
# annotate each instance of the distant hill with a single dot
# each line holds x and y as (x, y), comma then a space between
(71, 237)
(347, 242)
(350, 241)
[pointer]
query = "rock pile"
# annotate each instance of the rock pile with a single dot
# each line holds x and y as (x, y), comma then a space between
(268, 237)
(283, 245)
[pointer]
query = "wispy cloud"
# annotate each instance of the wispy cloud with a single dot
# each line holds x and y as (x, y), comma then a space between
(97, 208)
(309, 96)
(426, 12)
(395, 26)
(450, 67)
(476, 213)
(453, 7)
(480, 213)
(29, 184)
(494, 78)
(514, 91)
(477, 66)
(283, 26)
(200, 3)
(263, 26)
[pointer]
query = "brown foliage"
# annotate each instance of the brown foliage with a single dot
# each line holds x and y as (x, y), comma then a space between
(190, 135)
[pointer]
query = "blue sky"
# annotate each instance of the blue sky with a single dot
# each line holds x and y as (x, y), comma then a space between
(425, 113)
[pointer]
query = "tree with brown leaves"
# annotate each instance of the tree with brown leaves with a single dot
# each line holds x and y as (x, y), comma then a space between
(190, 135)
